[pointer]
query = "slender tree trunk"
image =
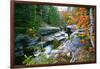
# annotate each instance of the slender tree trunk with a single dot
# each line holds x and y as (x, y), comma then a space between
(91, 26)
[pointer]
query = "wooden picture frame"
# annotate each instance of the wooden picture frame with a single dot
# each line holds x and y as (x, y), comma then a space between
(89, 50)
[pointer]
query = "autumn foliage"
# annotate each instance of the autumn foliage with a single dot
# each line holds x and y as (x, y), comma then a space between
(78, 16)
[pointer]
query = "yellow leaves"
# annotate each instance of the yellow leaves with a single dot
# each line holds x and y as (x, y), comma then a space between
(83, 11)
(31, 32)
(76, 27)
(82, 34)
(30, 29)
(75, 19)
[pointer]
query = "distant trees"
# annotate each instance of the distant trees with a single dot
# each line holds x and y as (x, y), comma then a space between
(29, 18)
(78, 16)
(21, 18)
(83, 18)
(53, 16)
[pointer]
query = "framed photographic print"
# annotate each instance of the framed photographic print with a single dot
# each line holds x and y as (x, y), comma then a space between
(49, 34)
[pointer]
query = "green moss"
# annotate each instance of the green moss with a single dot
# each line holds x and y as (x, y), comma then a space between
(56, 43)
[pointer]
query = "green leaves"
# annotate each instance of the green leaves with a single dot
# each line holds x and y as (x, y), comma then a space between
(41, 59)
(28, 60)
(53, 16)
(56, 43)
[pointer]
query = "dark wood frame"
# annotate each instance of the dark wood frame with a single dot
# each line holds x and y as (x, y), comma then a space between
(12, 32)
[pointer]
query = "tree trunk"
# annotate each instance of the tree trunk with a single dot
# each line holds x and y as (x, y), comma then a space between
(91, 26)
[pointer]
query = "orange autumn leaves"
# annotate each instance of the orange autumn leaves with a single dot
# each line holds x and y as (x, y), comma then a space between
(83, 22)
(83, 18)
(77, 16)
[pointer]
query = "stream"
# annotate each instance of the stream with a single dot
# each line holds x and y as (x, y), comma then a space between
(72, 44)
